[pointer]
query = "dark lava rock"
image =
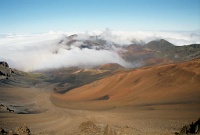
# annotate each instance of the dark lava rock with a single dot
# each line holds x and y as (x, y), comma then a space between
(193, 128)
(22, 130)
(4, 64)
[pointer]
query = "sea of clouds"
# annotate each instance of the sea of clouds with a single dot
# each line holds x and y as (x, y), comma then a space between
(30, 52)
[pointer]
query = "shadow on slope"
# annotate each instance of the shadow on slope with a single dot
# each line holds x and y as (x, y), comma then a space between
(66, 79)
(165, 85)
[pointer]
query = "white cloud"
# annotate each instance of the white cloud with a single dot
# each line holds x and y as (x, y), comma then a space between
(30, 52)
(176, 38)
(34, 52)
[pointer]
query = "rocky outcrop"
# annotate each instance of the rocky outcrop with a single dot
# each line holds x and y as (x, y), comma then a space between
(89, 128)
(5, 71)
(193, 128)
(21, 130)
(4, 64)
(4, 107)
(2, 74)
(2, 131)
(109, 131)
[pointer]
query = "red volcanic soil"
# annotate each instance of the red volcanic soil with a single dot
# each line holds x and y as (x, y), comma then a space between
(164, 85)
(151, 100)
(111, 66)
(157, 61)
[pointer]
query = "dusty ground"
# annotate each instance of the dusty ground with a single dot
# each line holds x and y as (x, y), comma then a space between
(47, 113)
(33, 108)
(45, 118)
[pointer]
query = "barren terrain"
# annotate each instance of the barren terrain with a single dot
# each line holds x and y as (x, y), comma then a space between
(150, 100)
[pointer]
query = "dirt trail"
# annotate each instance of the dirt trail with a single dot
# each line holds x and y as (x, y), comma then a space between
(52, 120)
(152, 100)
(43, 116)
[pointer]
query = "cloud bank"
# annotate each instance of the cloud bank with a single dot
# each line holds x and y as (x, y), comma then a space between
(29, 52)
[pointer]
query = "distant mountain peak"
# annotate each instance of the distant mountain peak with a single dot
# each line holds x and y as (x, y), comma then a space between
(111, 66)
(91, 42)
(161, 45)
(163, 41)
(160, 42)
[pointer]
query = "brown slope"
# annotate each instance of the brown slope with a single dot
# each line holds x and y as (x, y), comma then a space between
(156, 85)
(110, 66)
(157, 61)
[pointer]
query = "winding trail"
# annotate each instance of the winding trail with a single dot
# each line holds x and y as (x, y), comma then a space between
(150, 100)
(49, 120)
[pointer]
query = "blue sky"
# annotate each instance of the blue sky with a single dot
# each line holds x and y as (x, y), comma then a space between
(38, 16)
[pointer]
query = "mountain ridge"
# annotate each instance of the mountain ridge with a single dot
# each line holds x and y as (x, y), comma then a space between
(134, 53)
(148, 85)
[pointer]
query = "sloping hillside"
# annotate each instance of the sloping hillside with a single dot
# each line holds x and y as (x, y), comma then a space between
(173, 84)
(110, 67)
(164, 49)
(66, 79)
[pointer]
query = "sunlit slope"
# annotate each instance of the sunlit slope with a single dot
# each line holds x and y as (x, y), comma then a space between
(166, 84)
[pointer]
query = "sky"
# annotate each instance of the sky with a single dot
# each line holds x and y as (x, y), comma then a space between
(32, 52)
(40, 16)
(30, 30)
